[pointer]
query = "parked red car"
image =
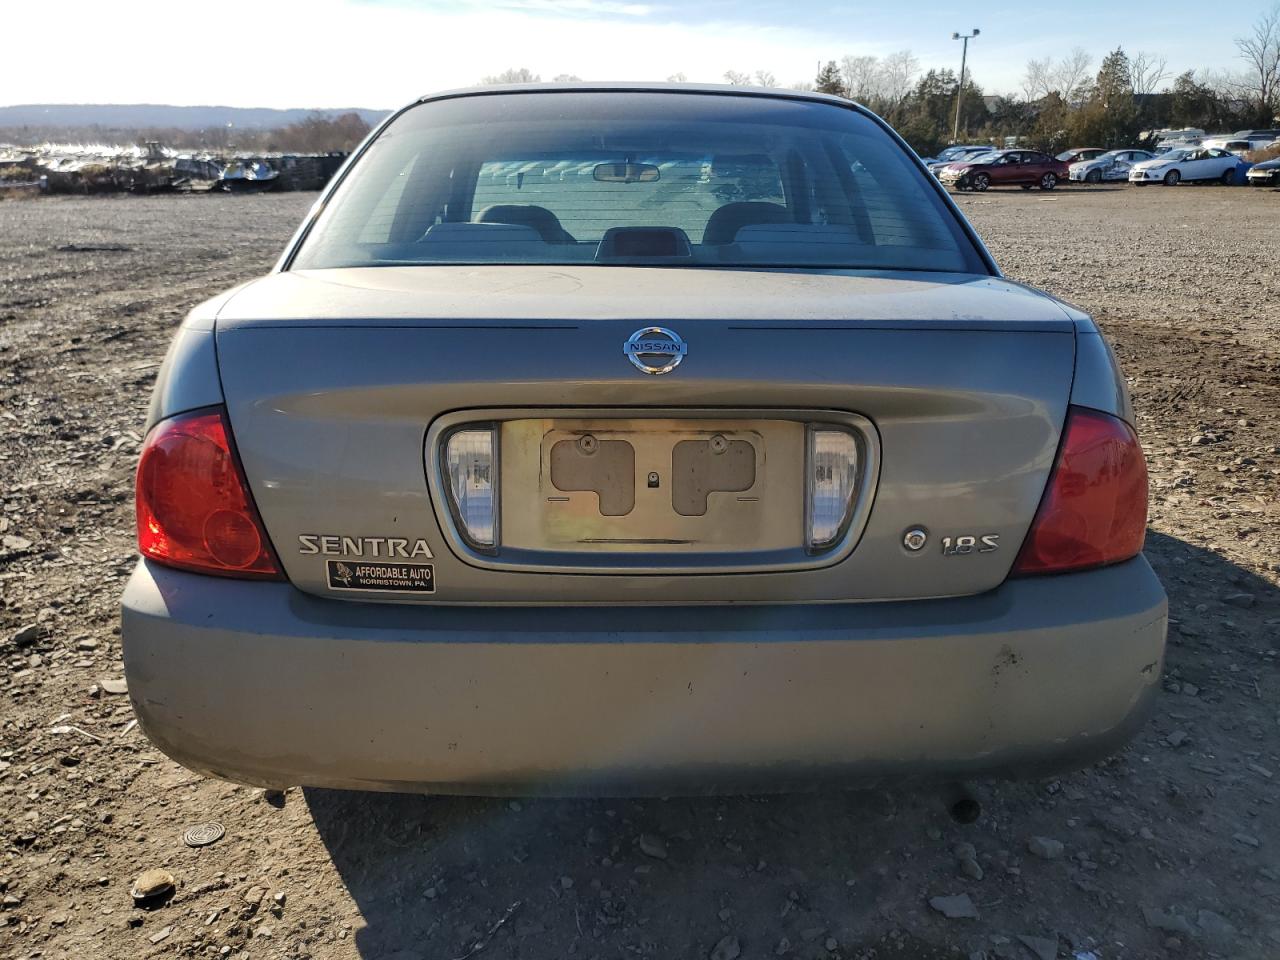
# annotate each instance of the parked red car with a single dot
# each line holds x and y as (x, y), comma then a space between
(1026, 168)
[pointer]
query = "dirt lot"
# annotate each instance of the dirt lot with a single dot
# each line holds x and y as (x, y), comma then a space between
(1171, 849)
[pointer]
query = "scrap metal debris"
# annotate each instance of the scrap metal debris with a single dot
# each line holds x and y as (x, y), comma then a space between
(203, 834)
(151, 167)
(68, 728)
(484, 941)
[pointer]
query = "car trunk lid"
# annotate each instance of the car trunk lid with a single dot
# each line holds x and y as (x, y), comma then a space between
(340, 383)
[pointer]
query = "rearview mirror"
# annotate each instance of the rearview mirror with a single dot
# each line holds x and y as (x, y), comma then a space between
(626, 172)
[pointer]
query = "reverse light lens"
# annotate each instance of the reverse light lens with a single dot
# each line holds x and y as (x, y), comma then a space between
(1094, 511)
(832, 465)
(193, 508)
(471, 464)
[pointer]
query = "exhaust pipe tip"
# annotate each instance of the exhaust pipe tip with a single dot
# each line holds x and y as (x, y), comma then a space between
(962, 805)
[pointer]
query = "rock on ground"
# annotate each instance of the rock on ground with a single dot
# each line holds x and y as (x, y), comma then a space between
(957, 907)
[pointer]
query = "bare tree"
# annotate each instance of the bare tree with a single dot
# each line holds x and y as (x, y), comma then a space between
(1069, 74)
(567, 78)
(1260, 51)
(737, 79)
(514, 75)
(861, 77)
(1036, 82)
(1224, 84)
(898, 72)
(764, 78)
(678, 77)
(1147, 71)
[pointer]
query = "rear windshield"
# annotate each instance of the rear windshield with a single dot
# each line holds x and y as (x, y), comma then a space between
(673, 179)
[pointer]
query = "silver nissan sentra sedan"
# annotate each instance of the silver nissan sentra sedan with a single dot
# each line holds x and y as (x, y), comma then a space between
(638, 439)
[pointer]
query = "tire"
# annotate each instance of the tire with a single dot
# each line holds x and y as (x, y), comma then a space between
(1228, 178)
(1048, 181)
(981, 182)
(1093, 176)
(1171, 178)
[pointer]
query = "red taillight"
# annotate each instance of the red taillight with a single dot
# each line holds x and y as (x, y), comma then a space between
(1094, 511)
(194, 510)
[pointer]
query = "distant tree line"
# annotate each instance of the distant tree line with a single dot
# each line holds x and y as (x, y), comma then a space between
(318, 133)
(1061, 102)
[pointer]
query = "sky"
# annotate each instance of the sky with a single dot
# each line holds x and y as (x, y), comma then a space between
(383, 53)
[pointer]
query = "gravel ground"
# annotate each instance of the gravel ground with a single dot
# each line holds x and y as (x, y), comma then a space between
(1167, 850)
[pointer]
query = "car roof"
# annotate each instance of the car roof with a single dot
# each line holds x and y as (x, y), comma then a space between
(499, 89)
(625, 87)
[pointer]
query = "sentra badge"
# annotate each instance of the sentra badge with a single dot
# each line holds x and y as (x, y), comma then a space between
(388, 548)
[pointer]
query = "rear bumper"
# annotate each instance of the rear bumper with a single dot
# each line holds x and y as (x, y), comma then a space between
(260, 683)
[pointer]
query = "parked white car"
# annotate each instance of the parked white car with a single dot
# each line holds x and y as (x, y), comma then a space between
(1191, 143)
(1200, 163)
(1113, 165)
(1166, 137)
(1239, 145)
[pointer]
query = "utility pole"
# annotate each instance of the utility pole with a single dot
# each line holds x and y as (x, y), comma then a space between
(964, 55)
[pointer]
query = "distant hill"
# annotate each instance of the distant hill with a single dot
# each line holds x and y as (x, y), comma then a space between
(142, 116)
